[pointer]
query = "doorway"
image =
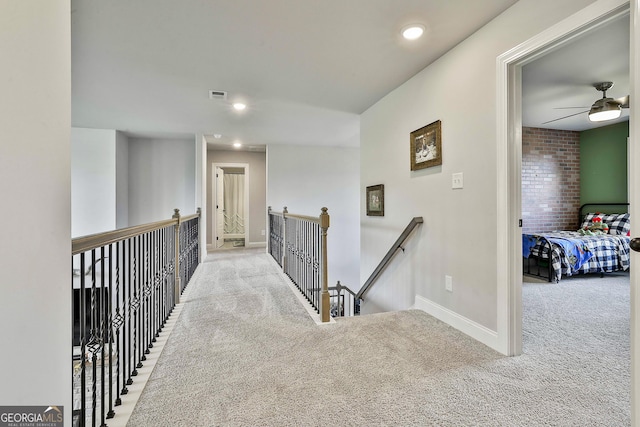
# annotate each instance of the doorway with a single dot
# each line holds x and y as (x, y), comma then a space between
(509, 186)
(230, 221)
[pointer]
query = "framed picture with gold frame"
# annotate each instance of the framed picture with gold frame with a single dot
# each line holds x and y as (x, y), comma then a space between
(426, 146)
(375, 200)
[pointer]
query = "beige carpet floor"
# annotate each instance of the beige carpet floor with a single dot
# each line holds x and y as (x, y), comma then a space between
(245, 353)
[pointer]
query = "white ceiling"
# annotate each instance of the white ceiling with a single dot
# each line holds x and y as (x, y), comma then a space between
(306, 68)
(565, 77)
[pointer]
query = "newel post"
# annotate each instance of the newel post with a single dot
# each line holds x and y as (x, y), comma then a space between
(284, 238)
(176, 227)
(199, 212)
(269, 225)
(324, 295)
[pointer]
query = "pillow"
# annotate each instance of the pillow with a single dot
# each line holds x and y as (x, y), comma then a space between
(588, 218)
(618, 223)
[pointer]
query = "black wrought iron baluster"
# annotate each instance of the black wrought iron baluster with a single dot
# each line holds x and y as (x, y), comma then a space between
(137, 295)
(292, 256)
(156, 280)
(308, 266)
(172, 271)
(145, 301)
(154, 284)
(109, 331)
(163, 282)
(307, 255)
(306, 237)
(93, 347)
(134, 304)
(297, 257)
(117, 323)
(316, 256)
(83, 342)
(299, 232)
(316, 243)
(303, 259)
(127, 350)
(185, 258)
(302, 245)
(180, 264)
(102, 316)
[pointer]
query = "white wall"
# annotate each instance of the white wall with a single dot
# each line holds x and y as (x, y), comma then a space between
(122, 180)
(305, 179)
(201, 190)
(257, 189)
(93, 181)
(161, 177)
(35, 186)
(458, 237)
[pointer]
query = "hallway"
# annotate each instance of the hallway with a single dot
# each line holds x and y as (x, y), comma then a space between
(244, 352)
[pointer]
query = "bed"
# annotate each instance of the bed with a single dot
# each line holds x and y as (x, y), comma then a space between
(580, 251)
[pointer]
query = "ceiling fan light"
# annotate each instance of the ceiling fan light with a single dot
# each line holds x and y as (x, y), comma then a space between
(605, 112)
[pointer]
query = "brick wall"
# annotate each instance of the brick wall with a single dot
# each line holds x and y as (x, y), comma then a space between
(550, 179)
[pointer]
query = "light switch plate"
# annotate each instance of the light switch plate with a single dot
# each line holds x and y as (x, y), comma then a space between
(456, 180)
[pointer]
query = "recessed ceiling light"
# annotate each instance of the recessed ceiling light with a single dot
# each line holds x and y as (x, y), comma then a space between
(239, 106)
(217, 136)
(413, 32)
(237, 144)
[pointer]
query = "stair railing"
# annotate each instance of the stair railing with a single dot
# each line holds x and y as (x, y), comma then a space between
(349, 303)
(298, 243)
(126, 284)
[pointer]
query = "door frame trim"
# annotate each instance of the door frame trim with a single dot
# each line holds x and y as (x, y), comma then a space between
(214, 230)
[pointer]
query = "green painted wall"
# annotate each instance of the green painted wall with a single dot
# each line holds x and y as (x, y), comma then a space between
(603, 164)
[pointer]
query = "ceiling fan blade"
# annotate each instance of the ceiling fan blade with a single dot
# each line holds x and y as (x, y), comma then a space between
(624, 101)
(565, 117)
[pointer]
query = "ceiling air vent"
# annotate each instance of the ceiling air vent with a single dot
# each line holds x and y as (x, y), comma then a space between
(217, 94)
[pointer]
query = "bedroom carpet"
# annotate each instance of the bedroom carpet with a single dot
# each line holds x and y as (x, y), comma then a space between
(244, 352)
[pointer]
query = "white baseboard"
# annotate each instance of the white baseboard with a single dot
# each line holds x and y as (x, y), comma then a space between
(461, 323)
(256, 245)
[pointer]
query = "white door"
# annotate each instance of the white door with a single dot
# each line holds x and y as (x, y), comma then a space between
(219, 207)
(634, 200)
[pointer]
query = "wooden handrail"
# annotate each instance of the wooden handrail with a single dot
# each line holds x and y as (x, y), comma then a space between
(286, 214)
(387, 258)
(93, 241)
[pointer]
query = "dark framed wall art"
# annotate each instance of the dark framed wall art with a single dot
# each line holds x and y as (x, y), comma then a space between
(426, 146)
(375, 200)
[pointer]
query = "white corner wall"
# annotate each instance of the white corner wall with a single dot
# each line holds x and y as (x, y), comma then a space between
(93, 181)
(162, 176)
(458, 237)
(201, 191)
(35, 186)
(305, 179)
(122, 180)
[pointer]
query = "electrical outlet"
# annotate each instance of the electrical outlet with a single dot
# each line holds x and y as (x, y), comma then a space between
(263, 232)
(448, 283)
(456, 180)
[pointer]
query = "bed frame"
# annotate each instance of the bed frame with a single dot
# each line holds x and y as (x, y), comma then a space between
(542, 268)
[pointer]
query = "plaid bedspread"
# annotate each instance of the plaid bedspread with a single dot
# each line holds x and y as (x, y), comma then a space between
(610, 253)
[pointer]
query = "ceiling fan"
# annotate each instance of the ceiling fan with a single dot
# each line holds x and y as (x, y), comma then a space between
(603, 109)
